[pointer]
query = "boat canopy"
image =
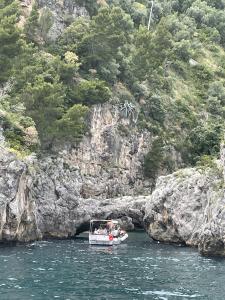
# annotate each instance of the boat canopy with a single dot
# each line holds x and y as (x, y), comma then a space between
(95, 224)
(113, 221)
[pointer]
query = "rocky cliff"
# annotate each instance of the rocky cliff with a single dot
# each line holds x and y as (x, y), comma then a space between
(42, 199)
(61, 14)
(56, 14)
(17, 206)
(56, 196)
(187, 208)
(110, 158)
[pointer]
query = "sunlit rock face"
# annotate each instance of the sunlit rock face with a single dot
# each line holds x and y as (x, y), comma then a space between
(26, 8)
(55, 15)
(61, 14)
(189, 207)
(95, 180)
(212, 239)
(43, 200)
(17, 206)
(2, 138)
(110, 159)
(58, 195)
(180, 206)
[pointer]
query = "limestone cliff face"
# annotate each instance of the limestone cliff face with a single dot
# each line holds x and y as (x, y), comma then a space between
(60, 13)
(57, 195)
(180, 205)
(212, 239)
(188, 207)
(71, 187)
(17, 207)
(42, 200)
(110, 161)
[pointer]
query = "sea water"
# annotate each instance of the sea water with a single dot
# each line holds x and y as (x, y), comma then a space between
(137, 269)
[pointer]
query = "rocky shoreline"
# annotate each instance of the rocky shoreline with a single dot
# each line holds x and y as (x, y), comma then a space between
(44, 200)
(56, 196)
(187, 207)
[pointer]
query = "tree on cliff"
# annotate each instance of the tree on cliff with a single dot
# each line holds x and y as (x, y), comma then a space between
(10, 40)
(105, 42)
(44, 104)
(31, 26)
(73, 124)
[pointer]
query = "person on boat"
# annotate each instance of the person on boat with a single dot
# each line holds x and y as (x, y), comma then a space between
(122, 232)
(109, 226)
(96, 231)
(115, 231)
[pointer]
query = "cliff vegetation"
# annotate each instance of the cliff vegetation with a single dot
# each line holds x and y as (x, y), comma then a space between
(172, 77)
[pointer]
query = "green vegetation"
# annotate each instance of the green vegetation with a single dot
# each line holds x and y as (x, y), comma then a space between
(153, 160)
(92, 92)
(174, 73)
(10, 38)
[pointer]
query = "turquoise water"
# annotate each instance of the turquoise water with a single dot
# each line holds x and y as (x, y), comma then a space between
(139, 269)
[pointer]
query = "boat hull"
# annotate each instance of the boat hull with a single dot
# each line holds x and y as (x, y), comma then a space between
(124, 237)
(98, 239)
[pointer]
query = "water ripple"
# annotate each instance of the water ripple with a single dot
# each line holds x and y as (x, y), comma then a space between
(140, 269)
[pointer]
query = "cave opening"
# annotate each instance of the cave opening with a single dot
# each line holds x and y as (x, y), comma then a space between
(127, 223)
(84, 227)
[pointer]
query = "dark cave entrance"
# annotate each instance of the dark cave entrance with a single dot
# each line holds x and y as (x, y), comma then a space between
(130, 224)
(83, 228)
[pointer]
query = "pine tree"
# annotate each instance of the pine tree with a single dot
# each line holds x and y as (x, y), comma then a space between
(31, 27)
(10, 39)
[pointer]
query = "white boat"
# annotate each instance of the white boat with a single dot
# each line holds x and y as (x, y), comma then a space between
(106, 232)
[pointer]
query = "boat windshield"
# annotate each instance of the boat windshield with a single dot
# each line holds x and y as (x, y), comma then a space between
(103, 226)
